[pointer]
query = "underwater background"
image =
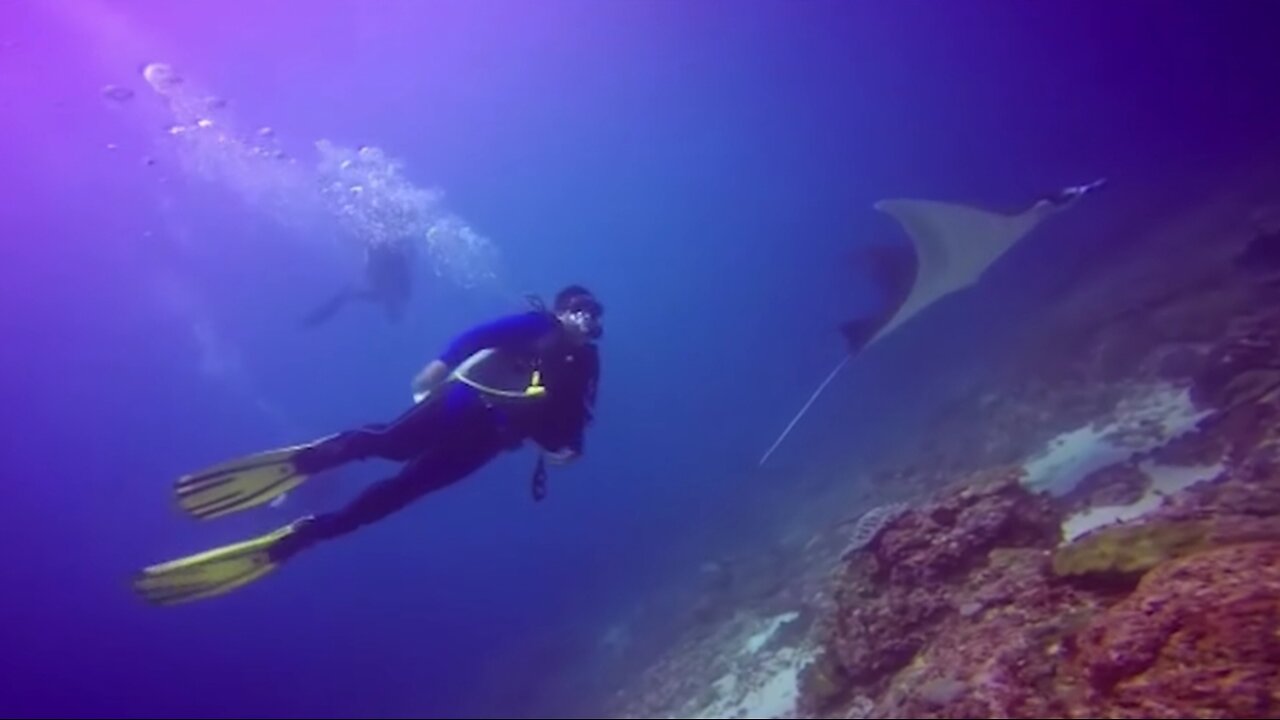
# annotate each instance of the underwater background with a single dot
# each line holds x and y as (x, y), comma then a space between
(708, 169)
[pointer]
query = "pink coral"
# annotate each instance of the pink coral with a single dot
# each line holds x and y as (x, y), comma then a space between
(954, 611)
(893, 597)
(1005, 655)
(1198, 637)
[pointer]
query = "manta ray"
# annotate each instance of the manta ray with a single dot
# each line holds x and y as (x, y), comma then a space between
(954, 245)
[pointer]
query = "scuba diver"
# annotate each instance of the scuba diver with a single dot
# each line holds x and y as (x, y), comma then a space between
(526, 376)
(388, 281)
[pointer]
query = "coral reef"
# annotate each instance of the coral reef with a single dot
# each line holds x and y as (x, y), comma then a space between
(895, 594)
(1198, 638)
(869, 524)
(984, 616)
(999, 656)
(1117, 484)
(976, 604)
(1126, 550)
(1244, 366)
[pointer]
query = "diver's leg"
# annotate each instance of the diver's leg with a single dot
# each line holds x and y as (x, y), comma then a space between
(438, 469)
(326, 310)
(408, 436)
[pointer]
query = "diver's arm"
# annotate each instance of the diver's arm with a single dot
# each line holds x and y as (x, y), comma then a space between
(572, 449)
(509, 330)
(430, 377)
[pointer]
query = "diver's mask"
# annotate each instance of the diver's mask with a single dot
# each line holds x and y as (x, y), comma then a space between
(584, 313)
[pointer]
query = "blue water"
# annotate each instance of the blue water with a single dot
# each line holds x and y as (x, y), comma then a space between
(705, 168)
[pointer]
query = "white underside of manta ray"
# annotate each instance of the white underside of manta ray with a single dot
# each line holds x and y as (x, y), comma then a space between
(954, 245)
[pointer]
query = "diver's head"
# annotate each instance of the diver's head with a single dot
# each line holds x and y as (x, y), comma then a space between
(580, 312)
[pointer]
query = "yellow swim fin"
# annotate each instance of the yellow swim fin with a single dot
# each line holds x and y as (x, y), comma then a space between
(212, 572)
(242, 483)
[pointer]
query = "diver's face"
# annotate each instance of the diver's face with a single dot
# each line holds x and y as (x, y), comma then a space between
(583, 324)
(581, 316)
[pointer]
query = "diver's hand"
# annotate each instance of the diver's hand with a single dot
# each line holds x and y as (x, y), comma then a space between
(429, 379)
(560, 457)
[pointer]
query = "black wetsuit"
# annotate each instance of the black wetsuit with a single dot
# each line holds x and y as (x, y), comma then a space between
(446, 438)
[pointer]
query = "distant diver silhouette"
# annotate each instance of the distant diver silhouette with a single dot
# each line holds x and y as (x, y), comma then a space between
(954, 245)
(387, 281)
